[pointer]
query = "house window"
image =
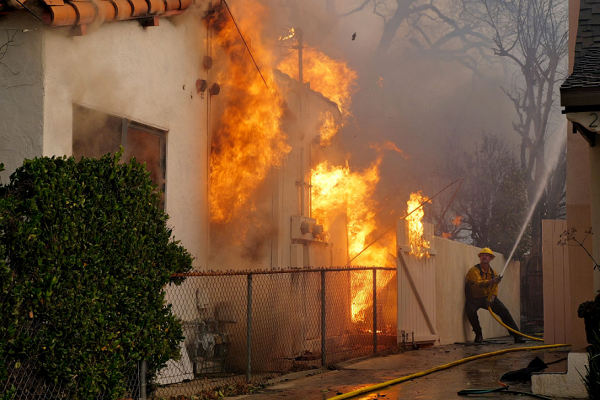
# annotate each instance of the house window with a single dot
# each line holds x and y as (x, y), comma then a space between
(96, 133)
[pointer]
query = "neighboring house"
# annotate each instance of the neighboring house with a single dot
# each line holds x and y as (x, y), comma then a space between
(580, 96)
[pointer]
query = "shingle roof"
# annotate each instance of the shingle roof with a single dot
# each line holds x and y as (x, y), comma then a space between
(582, 86)
(83, 12)
(588, 32)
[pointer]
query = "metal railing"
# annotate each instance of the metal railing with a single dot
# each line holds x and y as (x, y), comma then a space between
(250, 326)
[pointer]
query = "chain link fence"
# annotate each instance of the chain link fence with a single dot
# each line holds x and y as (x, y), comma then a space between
(24, 382)
(249, 327)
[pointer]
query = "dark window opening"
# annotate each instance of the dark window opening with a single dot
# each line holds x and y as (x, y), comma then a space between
(96, 133)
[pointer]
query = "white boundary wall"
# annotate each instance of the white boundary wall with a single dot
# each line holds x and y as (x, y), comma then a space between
(453, 260)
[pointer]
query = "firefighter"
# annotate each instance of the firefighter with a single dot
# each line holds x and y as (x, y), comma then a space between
(482, 281)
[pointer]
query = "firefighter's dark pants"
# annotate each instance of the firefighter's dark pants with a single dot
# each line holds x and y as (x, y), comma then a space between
(474, 304)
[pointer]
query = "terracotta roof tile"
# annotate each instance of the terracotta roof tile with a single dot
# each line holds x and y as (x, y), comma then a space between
(84, 12)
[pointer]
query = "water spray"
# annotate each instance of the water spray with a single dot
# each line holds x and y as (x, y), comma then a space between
(554, 156)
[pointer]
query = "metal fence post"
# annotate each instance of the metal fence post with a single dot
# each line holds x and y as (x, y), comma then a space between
(249, 331)
(142, 379)
(323, 336)
(374, 311)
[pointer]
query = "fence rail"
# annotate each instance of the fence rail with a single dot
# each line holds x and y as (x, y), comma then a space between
(250, 326)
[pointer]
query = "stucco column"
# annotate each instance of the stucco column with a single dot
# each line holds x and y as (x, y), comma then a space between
(595, 209)
(578, 217)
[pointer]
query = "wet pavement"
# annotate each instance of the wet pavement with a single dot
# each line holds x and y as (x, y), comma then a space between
(483, 373)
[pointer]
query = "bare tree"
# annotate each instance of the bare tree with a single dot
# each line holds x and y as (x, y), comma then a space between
(531, 35)
(489, 209)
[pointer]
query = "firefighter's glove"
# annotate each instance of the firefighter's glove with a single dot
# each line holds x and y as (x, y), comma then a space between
(495, 280)
(490, 301)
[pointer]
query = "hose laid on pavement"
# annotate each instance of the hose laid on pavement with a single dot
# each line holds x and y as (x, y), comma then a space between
(454, 363)
(440, 368)
(513, 330)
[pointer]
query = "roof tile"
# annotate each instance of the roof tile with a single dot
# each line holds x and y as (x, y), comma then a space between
(83, 12)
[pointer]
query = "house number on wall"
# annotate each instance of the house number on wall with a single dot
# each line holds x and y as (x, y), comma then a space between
(590, 120)
(593, 124)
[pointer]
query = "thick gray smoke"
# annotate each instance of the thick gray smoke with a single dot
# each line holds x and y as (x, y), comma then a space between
(415, 98)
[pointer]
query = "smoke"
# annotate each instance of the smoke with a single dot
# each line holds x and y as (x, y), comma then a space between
(412, 98)
(408, 104)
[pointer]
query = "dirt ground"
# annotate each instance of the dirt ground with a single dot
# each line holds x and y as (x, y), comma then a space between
(478, 374)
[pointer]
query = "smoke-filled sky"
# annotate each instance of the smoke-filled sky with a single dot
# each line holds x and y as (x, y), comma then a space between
(418, 101)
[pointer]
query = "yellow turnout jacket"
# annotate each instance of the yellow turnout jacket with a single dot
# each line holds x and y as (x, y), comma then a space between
(478, 282)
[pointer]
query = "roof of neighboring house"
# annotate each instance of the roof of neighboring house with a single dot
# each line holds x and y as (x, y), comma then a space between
(582, 87)
(84, 12)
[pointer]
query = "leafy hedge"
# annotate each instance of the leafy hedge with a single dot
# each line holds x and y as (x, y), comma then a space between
(87, 254)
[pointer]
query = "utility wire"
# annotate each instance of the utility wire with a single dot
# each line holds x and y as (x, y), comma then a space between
(404, 217)
(31, 11)
(245, 44)
(448, 206)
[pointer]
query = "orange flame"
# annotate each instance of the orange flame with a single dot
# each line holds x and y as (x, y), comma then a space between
(457, 221)
(333, 78)
(446, 235)
(387, 145)
(328, 128)
(337, 190)
(248, 140)
(380, 82)
(418, 244)
(291, 33)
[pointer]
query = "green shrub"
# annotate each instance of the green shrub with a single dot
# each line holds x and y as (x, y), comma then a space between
(592, 376)
(88, 254)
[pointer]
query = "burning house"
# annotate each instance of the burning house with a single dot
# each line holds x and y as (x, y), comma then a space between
(237, 124)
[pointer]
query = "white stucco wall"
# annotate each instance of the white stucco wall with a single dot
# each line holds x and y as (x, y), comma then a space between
(147, 75)
(21, 92)
(453, 260)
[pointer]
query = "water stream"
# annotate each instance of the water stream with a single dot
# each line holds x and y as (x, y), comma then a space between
(553, 153)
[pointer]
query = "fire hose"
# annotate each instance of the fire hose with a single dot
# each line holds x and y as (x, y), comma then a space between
(440, 368)
(458, 362)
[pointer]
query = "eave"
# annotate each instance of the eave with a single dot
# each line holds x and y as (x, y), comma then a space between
(80, 13)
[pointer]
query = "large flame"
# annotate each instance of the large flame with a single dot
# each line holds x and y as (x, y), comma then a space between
(248, 140)
(328, 128)
(332, 78)
(336, 190)
(416, 240)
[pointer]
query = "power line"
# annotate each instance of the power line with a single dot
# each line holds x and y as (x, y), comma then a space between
(245, 44)
(427, 200)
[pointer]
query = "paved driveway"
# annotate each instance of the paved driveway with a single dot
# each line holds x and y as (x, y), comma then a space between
(483, 373)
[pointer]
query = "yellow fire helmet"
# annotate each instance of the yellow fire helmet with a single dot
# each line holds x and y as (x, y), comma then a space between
(487, 250)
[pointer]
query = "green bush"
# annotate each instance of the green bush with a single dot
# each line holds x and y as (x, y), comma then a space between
(592, 376)
(88, 254)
